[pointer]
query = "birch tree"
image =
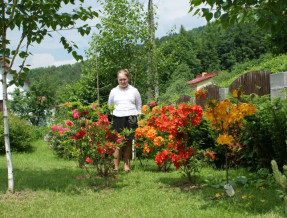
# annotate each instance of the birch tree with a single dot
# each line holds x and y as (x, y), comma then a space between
(119, 44)
(33, 20)
(152, 68)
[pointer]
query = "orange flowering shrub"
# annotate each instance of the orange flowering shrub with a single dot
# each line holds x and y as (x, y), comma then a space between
(163, 134)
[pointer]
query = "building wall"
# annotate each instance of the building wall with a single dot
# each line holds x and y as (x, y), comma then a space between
(202, 84)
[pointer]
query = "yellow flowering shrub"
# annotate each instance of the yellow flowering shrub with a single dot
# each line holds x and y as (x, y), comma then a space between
(226, 117)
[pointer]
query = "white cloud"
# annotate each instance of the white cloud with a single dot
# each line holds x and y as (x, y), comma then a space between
(172, 13)
(41, 60)
(59, 63)
(46, 59)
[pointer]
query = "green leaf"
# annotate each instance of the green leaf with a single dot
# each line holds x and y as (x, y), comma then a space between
(75, 55)
(197, 11)
(190, 9)
(196, 2)
(217, 14)
(22, 54)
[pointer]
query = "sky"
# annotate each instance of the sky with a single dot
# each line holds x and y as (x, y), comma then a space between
(171, 14)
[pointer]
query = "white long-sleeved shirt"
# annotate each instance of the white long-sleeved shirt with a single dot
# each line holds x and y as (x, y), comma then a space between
(127, 101)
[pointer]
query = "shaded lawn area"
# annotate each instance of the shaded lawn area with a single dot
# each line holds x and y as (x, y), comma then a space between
(47, 186)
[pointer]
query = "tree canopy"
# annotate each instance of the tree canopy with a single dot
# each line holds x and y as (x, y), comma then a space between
(269, 15)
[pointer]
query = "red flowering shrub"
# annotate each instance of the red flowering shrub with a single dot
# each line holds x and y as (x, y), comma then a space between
(164, 133)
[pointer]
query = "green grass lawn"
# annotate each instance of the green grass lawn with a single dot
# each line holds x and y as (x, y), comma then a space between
(47, 186)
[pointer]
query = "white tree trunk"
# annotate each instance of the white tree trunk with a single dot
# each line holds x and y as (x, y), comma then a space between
(6, 132)
(97, 72)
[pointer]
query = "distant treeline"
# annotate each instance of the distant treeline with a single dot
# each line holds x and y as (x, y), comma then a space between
(186, 54)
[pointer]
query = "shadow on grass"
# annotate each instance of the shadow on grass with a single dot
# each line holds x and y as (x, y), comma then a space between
(74, 180)
(149, 165)
(259, 204)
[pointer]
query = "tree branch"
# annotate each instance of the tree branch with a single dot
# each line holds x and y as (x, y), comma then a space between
(17, 50)
(13, 12)
(72, 28)
(22, 65)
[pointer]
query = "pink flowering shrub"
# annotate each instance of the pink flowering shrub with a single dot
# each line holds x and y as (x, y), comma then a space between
(86, 135)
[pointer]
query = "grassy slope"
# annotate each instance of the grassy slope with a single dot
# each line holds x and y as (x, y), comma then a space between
(47, 187)
(267, 62)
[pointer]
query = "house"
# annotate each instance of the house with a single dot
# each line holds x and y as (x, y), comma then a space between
(202, 80)
(10, 88)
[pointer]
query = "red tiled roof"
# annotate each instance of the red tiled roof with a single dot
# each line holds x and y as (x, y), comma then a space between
(201, 78)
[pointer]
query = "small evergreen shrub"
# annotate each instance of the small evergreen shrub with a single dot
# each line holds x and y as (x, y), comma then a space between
(20, 132)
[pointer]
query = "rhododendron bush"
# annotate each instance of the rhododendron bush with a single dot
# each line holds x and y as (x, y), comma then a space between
(163, 133)
(227, 118)
(86, 135)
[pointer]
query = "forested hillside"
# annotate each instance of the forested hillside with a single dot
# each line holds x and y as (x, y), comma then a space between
(56, 76)
(180, 58)
(266, 62)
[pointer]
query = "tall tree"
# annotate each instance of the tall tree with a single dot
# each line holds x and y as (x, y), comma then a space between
(35, 104)
(119, 44)
(33, 20)
(152, 74)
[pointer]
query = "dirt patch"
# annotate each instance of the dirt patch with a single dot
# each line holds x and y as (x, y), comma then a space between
(186, 186)
(18, 196)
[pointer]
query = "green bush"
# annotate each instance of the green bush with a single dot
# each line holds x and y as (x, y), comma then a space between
(264, 135)
(21, 134)
(40, 131)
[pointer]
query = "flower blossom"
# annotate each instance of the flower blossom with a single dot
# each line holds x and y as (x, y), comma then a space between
(210, 154)
(88, 160)
(224, 139)
(94, 107)
(76, 114)
(158, 141)
(69, 123)
(152, 104)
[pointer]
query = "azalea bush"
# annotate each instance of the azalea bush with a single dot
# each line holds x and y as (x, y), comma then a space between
(86, 135)
(164, 134)
(227, 119)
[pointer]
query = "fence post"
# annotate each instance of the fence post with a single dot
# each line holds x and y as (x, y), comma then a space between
(223, 92)
(278, 83)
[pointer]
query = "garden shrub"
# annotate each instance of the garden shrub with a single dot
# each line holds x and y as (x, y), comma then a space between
(264, 135)
(204, 136)
(87, 135)
(40, 131)
(164, 133)
(21, 134)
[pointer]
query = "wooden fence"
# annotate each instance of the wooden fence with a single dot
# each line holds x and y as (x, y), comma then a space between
(257, 82)
(212, 93)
